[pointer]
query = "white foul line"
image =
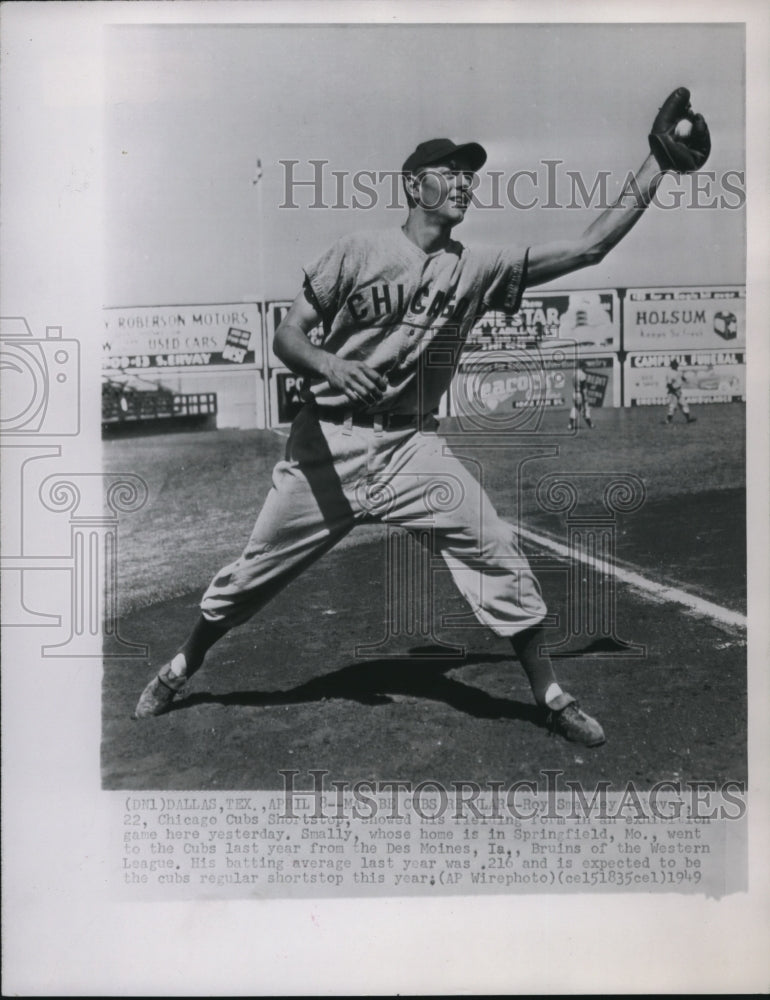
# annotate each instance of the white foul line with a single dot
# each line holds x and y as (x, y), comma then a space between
(639, 582)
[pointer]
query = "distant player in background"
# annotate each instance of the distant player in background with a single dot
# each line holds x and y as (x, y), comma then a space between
(675, 383)
(580, 404)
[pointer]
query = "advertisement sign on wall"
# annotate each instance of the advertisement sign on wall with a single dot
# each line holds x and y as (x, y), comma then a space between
(191, 337)
(590, 319)
(684, 319)
(285, 402)
(709, 377)
(495, 383)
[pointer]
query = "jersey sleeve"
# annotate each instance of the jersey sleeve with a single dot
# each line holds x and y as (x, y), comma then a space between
(330, 276)
(505, 278)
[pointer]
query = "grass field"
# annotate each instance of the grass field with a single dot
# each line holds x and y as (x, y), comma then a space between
(293, 688)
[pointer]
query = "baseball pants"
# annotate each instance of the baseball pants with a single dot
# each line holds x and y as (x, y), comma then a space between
(338, 475)
(580, 405)
(675, 400)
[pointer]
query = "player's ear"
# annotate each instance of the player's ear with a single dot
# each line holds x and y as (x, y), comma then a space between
(412, 188)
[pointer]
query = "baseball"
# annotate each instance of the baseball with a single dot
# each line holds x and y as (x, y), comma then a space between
(683, 128)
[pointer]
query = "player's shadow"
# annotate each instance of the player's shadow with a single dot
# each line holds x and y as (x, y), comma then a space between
(376, 681)
(603, 646)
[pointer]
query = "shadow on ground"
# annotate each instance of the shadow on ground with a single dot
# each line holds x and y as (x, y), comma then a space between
(420, 674)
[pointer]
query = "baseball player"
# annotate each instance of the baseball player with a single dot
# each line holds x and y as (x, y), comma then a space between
(580, 404)
(396, 307)
(675, 383)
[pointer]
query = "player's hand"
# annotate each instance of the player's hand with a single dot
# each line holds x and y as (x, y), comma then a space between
(361, 384)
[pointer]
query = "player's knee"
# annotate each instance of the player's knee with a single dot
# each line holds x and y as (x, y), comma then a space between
(499, 548)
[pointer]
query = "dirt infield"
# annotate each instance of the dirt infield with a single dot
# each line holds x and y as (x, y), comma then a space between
(296, 689)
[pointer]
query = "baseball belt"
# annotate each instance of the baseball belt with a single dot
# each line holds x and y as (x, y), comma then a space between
(377, 421)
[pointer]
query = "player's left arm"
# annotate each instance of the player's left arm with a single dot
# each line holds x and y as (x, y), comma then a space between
(670, 150)
(552, 260)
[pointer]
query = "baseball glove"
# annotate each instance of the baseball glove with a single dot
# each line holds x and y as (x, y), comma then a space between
(672, 152)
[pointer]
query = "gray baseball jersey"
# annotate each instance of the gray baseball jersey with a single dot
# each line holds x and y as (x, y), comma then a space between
(386, 302)
(406, 313)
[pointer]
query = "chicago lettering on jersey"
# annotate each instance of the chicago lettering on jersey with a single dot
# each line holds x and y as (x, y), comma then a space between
(386, 300)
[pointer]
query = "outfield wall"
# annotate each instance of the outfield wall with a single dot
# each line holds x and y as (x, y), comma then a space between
(712, 377)
(625, 338)
(215, 347)
(489, 384)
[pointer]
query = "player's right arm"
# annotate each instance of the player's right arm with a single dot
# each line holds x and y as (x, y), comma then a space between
(293, 347)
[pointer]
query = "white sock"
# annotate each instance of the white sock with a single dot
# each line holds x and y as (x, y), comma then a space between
(178, 666)
(552, 692)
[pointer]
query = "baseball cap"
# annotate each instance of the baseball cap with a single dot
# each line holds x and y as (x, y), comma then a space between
(438, 150)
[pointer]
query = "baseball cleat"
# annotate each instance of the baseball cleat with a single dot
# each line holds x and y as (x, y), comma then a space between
(158, 695)
(574, 725)
(691, 420)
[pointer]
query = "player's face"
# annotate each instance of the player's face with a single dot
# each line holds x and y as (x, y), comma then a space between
(444, 191)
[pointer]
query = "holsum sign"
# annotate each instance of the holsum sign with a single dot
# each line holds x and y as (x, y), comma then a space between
(684, 319)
